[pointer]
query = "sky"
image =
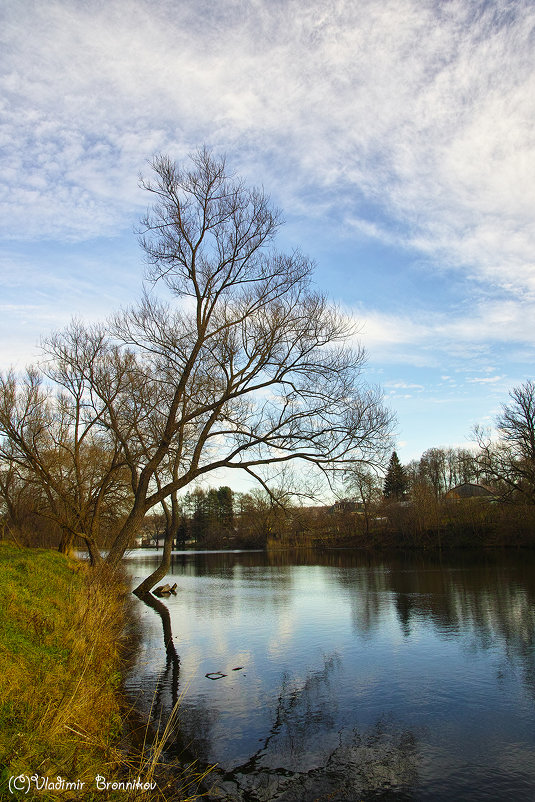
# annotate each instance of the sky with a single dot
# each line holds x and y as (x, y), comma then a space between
(397, 136)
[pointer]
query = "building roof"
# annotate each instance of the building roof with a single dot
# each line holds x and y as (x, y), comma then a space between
(469, 490)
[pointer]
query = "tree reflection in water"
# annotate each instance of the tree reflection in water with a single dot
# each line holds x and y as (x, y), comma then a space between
(383, 757)
(376, 761)
(161, 717)
(172, 663)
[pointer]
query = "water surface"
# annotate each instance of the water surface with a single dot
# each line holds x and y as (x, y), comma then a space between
(359, 678)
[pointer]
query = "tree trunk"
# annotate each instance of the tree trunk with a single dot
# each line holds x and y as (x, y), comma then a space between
(165, 564)
(126, 536)
(95, 557)
(66, 543)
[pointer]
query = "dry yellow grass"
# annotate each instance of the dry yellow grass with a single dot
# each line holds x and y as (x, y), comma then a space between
(61, 650)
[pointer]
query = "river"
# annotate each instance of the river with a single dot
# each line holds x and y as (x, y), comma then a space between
(347, 677)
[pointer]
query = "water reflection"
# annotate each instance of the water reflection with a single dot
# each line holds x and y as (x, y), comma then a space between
(401, 677)
(170, 674)
(342, 767)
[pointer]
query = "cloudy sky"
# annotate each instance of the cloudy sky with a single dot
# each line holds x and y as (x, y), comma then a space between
(397, 136)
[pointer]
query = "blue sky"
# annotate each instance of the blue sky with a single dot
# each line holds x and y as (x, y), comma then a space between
(397, 136)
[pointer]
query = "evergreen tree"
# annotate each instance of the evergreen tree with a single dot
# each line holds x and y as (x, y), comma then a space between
(207, 514)
(226, 509)
(395, 484)
(199, 520)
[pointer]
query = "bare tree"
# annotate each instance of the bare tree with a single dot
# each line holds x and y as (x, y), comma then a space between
(434, 471)
(53, 441)
(364, 485)
(462, 466)
(250, 366)
(20, 505)
(516, 422)
(510, 462)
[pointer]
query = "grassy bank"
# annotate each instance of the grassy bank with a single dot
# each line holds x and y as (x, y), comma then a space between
(62, 714)
(60, 644)
(60, 656)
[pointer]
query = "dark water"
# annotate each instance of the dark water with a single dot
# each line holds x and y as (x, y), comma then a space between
(385, 678)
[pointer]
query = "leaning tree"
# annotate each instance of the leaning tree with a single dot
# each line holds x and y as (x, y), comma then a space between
(250, 366)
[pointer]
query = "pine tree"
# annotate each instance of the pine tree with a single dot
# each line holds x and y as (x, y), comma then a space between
(199, 520)
(226, 509)
(395, 484)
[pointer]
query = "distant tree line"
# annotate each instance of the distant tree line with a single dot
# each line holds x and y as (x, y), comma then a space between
(410, 505)
(418, 501)
(221, 518)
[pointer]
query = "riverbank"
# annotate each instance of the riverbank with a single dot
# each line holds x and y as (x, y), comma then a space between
(67, 635)
(61, 653)
(440, 525)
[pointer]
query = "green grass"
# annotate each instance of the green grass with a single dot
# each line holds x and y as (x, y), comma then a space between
(60, 656)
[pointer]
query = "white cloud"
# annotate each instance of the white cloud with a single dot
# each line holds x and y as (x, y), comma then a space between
(424, 340)
(402, 385)
(424, 110)
(485, 380)
(405, 121)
